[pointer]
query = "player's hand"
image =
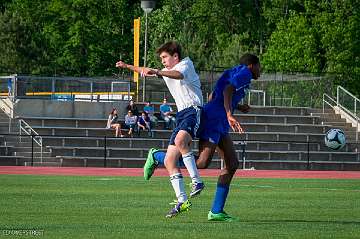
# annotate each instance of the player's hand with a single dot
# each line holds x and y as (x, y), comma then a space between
(121, 64)
(148, 72)
(235, 125)
(244, 108)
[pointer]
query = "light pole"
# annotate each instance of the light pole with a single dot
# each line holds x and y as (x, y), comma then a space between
(147, 7)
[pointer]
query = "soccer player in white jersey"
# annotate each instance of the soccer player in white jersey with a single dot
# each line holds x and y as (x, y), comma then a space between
(184, 85)
(216, 121)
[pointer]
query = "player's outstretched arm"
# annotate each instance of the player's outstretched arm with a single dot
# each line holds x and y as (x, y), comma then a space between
(121, 64)
(170, 74)
(144, 71)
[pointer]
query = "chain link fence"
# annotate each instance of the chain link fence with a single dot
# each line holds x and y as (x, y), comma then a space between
(271, 89)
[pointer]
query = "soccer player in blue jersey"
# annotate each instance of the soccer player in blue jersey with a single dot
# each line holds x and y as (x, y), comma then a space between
(216, 120)
(184, 85)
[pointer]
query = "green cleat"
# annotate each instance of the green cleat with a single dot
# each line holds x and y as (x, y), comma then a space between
(174, 202)
(179, 208)
(221, 217)
(150, 164)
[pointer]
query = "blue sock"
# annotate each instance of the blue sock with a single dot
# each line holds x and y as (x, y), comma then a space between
(222, 191)
(160, 158)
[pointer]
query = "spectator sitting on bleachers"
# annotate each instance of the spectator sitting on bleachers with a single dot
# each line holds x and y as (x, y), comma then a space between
(166, 111)
(114, 123)
(149, 109)
(130, 122)
(131, 106)
(144, 123)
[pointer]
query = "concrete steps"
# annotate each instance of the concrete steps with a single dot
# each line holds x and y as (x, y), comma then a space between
(78, 142)
(251, 153)
(6, 160)
(276, 137)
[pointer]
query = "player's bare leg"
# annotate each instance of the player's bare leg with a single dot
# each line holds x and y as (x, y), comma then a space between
(183, 142)
(177, 182)
(227, 152)
(206, 153)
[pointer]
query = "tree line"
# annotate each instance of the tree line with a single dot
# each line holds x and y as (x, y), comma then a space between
(86, 37)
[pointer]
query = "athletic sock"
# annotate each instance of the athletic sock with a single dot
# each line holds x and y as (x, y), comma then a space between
(190, 165)
(160, 157)
(177, 183)
(222, 191)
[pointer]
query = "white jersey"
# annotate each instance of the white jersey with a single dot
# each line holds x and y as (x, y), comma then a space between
(186, 91)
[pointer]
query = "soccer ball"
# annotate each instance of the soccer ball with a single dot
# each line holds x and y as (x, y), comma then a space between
(335, 139)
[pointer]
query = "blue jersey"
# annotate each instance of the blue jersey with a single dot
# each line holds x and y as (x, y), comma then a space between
(239, 77)
(165, 108)
(214, 120)
(149, 109)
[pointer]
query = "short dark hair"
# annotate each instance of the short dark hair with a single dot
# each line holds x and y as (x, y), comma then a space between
(249, 59)
(170, 47)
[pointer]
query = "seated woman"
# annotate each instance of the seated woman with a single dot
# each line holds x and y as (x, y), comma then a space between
(144, 123)
(114, 123)
(130, 122)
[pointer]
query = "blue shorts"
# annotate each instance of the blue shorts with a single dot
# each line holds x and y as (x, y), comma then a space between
(189, 120)
(213, 126)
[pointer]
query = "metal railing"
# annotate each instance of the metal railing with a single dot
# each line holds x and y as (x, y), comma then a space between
(23, 126)
(8, 110)
(354, 99)
(328, 101)
(66, 88)
(337, 103)
(352, 114)
(241, 147)
(35, 137)
(258, 93)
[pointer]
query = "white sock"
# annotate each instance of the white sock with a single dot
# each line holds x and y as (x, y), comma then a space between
(189, 161)
(177, 183)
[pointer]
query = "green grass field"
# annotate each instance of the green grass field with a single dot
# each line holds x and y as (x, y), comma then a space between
(129, 207)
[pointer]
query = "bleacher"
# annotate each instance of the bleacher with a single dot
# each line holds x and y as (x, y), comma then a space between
(276, 138)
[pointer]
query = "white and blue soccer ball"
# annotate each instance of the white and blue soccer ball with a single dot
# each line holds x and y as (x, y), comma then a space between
(335, 139)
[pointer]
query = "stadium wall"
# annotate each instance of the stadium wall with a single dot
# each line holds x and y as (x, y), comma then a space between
(63, 109)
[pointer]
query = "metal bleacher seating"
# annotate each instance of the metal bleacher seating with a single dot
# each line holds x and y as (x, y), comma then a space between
(276, 138)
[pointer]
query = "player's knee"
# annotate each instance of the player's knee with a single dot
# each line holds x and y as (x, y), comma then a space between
(202, 164)
(181, 143)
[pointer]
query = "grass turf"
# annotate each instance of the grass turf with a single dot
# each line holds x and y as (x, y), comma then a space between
(129, 207)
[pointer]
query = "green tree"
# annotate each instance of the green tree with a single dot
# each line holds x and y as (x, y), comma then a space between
(213, 33)
(69, 37)
(22, 49)
(293, 47)
(338, 28)
(87, 37)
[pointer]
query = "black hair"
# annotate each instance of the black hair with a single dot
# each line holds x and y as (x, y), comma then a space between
(112, 111)
(249, 59)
